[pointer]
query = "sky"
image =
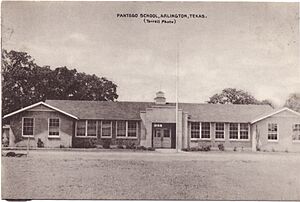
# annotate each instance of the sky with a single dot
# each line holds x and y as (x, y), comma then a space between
(248, 46)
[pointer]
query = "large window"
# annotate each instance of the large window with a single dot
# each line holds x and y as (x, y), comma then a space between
(53, 127)
(27, 126)
(132, 129)
(106, 129)
(195, 130)
(205, 130)
(121, 128)
(234, 131)
(127, 129)
(272, 132)
(296, 132)
(220, 130)
(244, 131)
(92, 128)
(81, 128)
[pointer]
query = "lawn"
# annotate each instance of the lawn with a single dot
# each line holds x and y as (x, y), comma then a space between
(152, 175)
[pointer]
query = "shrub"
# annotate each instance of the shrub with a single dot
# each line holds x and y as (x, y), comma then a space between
(120, 146)
(106, 144)
(141, 148)
(193, 149)
(234, 149)
(151, 149)
(273, 150)
(40, 143)
(221, 147)
(61, 146)
(286, 150)
(206, 148)
(130, 146)
(185, 149)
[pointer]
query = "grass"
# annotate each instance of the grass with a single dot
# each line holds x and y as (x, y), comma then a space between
(152, 175)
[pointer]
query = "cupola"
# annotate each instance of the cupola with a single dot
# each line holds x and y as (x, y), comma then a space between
(160, 98)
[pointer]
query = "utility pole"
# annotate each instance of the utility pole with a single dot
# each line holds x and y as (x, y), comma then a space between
(176, 108)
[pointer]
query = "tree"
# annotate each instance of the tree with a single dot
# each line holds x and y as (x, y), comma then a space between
(24, 83)
(234, 96)
(293, 102)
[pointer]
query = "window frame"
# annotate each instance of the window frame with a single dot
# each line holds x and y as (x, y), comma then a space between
(239, 132)
(196, 138)
(220, 139)
(126, 132)
(54, 136)
(293, 131)
(277, 134)
(86, 129)
(33, 126)
(106, 137)
(204, 138)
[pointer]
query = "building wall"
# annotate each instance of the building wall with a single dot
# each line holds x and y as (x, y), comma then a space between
(41, 129)
(228, 144)
(93, 141)
(284, 121)
(161, 114)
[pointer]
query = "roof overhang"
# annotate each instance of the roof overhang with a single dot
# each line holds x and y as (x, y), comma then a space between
(275, 112)
(40, 103)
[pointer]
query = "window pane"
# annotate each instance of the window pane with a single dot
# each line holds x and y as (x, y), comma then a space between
(219, 133)
(244, 131)
(80, 130)
(132, 129)
(54, 127)
(28, 126)
(92, 126)
(195, 130)
(272, 131)
(233, 131)
(121, 128)
(296, 132)
(106, 128)
(205, 130)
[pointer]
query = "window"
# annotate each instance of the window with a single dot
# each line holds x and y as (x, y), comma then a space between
(121, 128)
(28, 126)
(54, 127)
(296, 132)
(132, 129)
(106, 127)
(92, 128)
(272, 131)
(205, 130)
(80, 129)
(195, 130)
(244, 131)
(220, 131)
(234, 131)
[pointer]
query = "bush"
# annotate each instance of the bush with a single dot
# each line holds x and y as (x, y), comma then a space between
(106, 144)
(141, 148)
(151, 149)
(130, 146)
(206, 148)
(221, 147)
(61, 146)
(286, 150)
(40, 143)
(234, 149)
(185, 149)
(273, 150)
(120, 146)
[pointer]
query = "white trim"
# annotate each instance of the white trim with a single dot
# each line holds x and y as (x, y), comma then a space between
(32, 126)
(194, 122)
(277, 133)
(36, 104)
(87, 124)
(54, 136)
(104, 137)
(276, 112)
(293, 125)
(121, 137)
(209, 131)
(219, 139)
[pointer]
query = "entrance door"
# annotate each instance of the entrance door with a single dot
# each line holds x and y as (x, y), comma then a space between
(162, 138)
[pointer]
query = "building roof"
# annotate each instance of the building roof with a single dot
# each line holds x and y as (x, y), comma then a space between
(273, 112)
(37, 104)
(131, 110)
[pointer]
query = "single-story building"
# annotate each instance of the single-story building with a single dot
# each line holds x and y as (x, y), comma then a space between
(69, 123)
